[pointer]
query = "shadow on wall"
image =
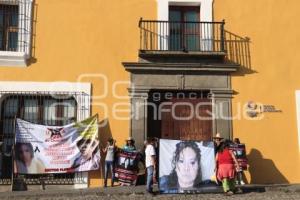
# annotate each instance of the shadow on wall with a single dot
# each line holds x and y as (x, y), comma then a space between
(238, 51)
(262, 170)
(104, 134)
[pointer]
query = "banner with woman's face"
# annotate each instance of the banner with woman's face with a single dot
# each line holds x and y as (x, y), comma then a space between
(43, 149)
(185, 166)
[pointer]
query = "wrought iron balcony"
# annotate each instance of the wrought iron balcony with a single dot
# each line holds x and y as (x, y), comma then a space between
(186, 36)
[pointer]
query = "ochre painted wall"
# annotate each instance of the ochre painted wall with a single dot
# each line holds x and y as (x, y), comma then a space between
(274, 32)
(73, 38)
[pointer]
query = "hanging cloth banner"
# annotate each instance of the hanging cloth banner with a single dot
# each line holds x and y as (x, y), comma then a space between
(127, 167)
(43, 149)
(186, 166)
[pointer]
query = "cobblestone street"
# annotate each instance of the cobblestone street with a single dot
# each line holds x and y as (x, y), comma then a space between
(135, 193)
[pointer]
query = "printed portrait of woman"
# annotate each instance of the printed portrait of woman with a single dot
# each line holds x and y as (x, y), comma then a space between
(186, 173)
(26, 163)
(186, 170)
(89, 157)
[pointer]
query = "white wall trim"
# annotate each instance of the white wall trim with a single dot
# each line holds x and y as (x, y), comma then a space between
(27, 86)
(22, 86)
(206, 15)
(25, 24)
(206, 8)
(298, 115)
(13, 59)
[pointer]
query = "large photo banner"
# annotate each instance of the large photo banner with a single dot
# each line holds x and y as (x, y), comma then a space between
(186, 166)
(52, 149)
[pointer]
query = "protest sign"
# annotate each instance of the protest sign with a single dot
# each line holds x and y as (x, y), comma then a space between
(43, 149)
(185, 166)
(127, 167)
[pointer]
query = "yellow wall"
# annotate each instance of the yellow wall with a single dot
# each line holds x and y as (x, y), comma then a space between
(95, 36)
(86, 36)
(274, 33)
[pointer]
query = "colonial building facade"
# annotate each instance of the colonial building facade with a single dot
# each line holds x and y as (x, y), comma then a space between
(222, 66)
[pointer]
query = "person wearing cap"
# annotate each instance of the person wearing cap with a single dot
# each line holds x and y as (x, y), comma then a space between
(217, 139)
(226, 163)
(129, 146)
(217, 142)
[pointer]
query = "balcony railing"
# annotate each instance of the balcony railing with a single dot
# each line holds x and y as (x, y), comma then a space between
(182, 36)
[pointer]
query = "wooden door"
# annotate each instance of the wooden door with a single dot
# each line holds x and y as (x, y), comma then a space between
(185, 123)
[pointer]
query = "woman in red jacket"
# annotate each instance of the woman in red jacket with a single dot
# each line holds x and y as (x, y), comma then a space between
(226, 164)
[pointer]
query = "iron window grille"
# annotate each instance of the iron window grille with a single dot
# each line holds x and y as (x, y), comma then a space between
(15, 25)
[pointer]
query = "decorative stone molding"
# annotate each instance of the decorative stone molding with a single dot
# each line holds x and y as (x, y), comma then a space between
(187, 67)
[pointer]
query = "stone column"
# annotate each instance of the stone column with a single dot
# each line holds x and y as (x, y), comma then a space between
(138, 121)
(222, 110)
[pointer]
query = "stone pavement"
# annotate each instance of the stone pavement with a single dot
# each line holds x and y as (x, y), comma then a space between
(251, 192)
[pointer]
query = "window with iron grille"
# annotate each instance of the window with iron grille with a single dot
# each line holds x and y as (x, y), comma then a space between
(40, 109)
(9, 27)
(15, 31)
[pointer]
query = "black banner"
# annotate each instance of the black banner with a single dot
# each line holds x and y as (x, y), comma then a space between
(127, 167)
(239, 151)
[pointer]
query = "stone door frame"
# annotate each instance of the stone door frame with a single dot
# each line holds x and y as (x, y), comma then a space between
(139, 100)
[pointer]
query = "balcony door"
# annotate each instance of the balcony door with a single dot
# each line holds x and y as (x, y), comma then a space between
(184, 28)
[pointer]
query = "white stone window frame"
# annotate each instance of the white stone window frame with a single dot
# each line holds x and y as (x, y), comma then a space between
(206, 15)
(19, 58)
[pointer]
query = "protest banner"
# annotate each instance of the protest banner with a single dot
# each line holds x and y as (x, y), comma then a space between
(239, 151)
(127, 167)
(43, 149)
(186, 166)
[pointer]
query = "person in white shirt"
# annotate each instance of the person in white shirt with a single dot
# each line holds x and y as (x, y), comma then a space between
(150, 161)
(110, 150)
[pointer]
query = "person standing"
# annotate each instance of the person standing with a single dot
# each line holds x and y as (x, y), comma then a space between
(217, 142)
(226, 164)
(240, 171)
(109, 161)
(129, 146)
(150, 161)
(217, 139)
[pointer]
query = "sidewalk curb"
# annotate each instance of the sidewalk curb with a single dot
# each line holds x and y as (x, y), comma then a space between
(134, 190)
